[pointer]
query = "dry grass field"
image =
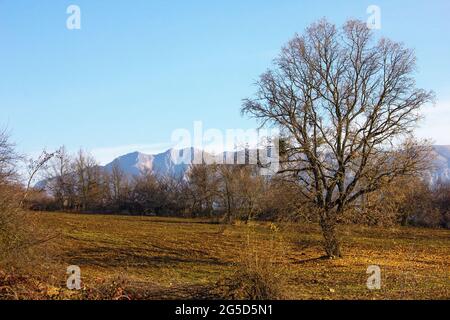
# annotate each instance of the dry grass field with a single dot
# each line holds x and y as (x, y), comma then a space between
(125, 257)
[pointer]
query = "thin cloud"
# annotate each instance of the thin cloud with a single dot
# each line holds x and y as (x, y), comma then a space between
(436, 125)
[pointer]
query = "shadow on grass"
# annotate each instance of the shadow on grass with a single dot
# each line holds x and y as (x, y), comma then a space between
(317, 259)
(180, 221)
(108, 257)
(307, 243)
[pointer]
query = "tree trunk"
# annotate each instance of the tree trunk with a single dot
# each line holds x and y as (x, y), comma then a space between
(404, 219)
(331, 241)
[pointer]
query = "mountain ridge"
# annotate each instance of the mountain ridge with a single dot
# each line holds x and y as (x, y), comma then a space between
(164, 164)
(135, 163)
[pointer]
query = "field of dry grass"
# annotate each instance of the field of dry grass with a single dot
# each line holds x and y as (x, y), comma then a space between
(166, 258)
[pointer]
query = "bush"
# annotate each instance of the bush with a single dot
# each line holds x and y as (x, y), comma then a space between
(258, 276)
(407, 201)
(13, 237)
(250, 284)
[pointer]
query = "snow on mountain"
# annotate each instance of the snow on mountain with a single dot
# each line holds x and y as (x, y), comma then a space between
(441, 163)
(176, 162)
(173, 162)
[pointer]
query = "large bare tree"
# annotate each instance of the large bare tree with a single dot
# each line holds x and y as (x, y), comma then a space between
(348, 105)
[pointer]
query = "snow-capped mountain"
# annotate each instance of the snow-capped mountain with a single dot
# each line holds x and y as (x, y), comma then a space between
(176, 162)
(173, 163)
(442, 164)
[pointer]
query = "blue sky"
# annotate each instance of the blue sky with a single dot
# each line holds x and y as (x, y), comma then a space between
(138, 70)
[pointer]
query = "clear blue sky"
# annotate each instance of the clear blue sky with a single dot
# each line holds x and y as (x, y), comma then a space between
(137, 70)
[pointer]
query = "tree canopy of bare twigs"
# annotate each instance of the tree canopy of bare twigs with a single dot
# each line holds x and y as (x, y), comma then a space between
(348, 105)
(8, 156)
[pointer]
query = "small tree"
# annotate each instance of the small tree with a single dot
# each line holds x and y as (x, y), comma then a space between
(34, 166)
(18, 232)
(8, 158)
(345, 103)
(88, 181)
(203, 188)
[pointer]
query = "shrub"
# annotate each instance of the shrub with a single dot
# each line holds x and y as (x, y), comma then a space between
(258, 276)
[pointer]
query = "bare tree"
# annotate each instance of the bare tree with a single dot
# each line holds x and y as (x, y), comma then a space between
(88, 180)
(8, 157)
(203, 185)
(34, 166)
(9, 197)
(248, 190)
(18, 232)
(239, 191)
(60, 179)
(118, 182)
(346, 103)
(226, 191)
(147, 193)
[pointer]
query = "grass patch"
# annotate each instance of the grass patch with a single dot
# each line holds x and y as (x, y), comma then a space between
(166, 258)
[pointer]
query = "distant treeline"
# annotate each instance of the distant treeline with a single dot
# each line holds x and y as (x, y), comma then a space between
(225, 193)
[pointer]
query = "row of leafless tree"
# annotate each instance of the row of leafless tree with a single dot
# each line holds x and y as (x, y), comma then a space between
(226, 193)
(406, 201)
